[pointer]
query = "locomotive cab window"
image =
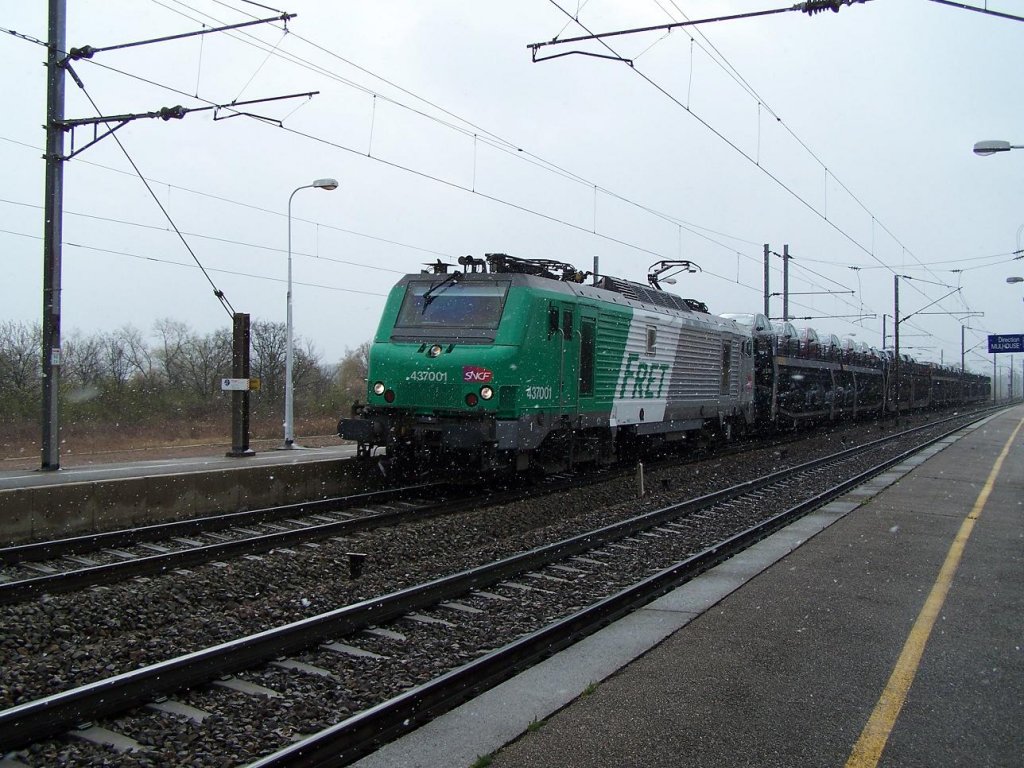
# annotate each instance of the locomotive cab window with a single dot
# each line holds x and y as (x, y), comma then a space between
(453, 304)
(567, 325)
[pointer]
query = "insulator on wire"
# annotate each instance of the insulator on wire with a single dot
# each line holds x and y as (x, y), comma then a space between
(812, 7)
(172, 113)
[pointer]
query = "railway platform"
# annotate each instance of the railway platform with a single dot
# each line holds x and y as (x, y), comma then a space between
(887, 629)
(98, 497)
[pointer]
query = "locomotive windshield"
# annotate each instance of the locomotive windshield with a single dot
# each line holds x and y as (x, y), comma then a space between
(452, 304)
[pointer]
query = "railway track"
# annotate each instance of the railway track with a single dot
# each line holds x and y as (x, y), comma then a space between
(391, 662)
(67, 565)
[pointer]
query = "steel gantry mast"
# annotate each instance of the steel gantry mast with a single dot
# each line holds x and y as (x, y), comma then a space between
(58, 62)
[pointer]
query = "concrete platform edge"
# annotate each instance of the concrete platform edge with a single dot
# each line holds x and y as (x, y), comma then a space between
(500, 715)
(103, 498)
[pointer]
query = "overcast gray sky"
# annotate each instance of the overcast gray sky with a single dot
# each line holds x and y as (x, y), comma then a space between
(846, 135)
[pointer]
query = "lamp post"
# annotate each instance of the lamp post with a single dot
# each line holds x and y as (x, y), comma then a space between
(990, 147)
(1015, 279)
(289, 391)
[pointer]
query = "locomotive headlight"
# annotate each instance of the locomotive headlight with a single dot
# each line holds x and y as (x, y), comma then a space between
(378, 388)
(434, 351)
(486, 392)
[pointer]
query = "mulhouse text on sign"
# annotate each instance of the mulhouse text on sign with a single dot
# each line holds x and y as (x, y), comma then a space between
(1012, 342)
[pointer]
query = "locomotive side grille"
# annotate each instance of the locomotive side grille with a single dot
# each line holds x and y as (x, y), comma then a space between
(697, 367)
(639, 292)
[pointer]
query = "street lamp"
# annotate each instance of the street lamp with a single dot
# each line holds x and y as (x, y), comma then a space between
(990, 147)
(289, 391)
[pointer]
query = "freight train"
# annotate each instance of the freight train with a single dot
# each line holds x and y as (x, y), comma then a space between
(510, 364)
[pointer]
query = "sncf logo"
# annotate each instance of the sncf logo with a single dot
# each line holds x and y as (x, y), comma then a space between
(475, 375)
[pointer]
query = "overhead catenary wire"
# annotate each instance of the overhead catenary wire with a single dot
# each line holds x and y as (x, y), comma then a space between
(960, 260)
(473, 190)
(760, 167)
(693, 229)
(431, 177)
(227, 240)
(528, 210)
(739, 150)
(278, 213)
(511, 145)
(504, 145)
(88, 51)
(734, 73)
(185, 264)
(239, 203)
(507, 145)
(762, 103)
(985, 10)
(468, 128)
(217, 292)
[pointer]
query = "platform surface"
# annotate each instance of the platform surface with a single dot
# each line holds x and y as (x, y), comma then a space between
(780, 656)
(37, 505)
(11, 479)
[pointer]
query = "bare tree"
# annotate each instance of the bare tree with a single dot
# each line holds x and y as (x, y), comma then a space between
(20, 361)
(137, 352)
(116, 360)
(203, 360)
(173, 338)
(120, 376)
(352, 372)
(308, 376)
(269, 342)
(82, 361)
(20, 371)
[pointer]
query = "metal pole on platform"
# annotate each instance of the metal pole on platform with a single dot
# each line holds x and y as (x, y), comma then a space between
(896, 341)
(240, 398)
(962, 366)
(289, 387)
(52, 226)
(767, 252)
(785, 283)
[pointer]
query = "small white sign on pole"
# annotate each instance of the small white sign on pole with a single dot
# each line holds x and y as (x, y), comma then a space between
(234, 385)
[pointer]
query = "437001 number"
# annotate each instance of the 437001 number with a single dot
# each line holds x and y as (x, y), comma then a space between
(538, 393)
(428, 376)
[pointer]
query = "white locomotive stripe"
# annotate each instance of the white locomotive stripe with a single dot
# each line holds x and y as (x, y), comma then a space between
(642, 389)
(672, 370)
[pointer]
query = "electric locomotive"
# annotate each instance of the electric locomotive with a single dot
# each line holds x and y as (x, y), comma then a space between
(511, 363)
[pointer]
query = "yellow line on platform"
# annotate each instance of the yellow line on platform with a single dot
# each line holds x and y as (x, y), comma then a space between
(868, 749)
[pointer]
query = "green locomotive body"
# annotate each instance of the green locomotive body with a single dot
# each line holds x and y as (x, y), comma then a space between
(512, 364)
(523, 364)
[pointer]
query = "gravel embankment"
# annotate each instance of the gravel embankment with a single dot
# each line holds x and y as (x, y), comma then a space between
(57, 642)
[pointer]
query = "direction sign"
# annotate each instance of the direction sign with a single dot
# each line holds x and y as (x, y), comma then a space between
(1013, 342)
